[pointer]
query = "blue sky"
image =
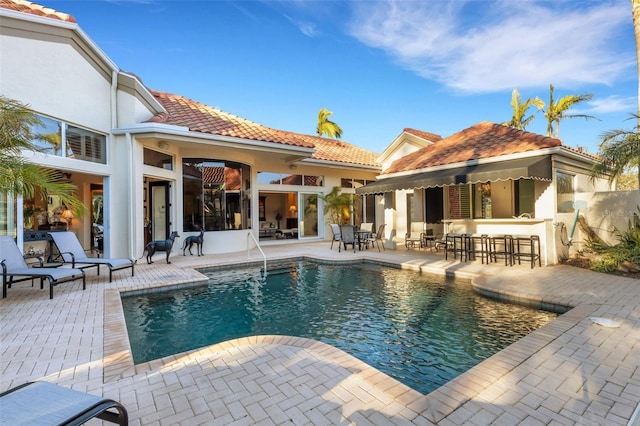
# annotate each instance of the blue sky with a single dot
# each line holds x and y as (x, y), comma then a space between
(379, 66)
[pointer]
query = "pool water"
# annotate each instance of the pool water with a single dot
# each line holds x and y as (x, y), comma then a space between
(423, 330)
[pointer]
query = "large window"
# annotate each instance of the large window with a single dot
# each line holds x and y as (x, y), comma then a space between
(216, 195)
(55, 138)
(564, 192)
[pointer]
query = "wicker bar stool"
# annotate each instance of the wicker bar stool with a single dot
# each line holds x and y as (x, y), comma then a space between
(527, 246)
(501, 246)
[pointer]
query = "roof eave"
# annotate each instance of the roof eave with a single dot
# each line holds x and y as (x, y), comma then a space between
(536, 153)
(340, 164)
(163, 130)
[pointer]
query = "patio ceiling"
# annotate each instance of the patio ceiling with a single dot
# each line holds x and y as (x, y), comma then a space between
(538, 168)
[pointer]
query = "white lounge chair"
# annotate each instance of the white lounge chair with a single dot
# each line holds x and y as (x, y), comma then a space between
(14, 265)
(72, 252)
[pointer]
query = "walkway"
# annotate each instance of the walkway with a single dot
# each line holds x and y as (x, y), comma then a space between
(571, 371)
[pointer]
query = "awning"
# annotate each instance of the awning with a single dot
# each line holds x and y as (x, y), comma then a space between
(538, 168)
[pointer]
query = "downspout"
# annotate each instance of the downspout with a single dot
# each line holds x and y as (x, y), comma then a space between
(114, 99)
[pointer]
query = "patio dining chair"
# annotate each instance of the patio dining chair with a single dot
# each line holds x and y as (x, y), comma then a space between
(415, 235)
(72, 252)
(14, 265)
(377, 237)
(348, 237)
(335, 229)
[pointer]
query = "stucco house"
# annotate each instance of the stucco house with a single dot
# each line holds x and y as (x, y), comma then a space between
(489, 179)
(159, 162)
(147, 162)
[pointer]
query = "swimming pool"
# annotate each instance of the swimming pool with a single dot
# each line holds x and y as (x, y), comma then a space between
(423, 330)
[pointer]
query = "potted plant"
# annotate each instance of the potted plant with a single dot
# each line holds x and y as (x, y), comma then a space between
(337, 206)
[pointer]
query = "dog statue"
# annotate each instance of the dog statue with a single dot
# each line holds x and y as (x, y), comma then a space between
(198, 240)
(160, 245)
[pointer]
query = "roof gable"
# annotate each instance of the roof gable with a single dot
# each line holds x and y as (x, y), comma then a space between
(481, 141)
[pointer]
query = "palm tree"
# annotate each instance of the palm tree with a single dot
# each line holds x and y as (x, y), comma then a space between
(620, 150)
(338, 205)
(557, 111)
(518, 121)
(17, 175)
(326, 126)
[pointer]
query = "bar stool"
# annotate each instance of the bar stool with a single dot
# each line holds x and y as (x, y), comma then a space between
(527, 246)
(478, 244)
(501, 246)
(453, 243)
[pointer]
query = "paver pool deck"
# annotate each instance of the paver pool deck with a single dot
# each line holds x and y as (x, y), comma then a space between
(570, 371)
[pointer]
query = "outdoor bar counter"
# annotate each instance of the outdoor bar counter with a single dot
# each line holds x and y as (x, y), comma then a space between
(510, 226)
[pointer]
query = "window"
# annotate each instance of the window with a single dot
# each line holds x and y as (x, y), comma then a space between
(48, 136)
(525, 197)
(86, 145)
(55, 137)
(354, 183)
(157, 159)
(216, 195)
(459, 202)
(564, 192)
(272, 178)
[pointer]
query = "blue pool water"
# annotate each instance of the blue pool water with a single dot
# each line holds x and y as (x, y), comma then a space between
(423, 330)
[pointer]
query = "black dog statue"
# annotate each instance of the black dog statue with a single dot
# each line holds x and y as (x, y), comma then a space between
(160, 245)
(198, 240)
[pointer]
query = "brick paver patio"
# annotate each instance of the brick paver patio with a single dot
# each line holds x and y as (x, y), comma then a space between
(571, 371)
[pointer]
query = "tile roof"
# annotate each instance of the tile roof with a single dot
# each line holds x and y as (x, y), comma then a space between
(202, 118)
(483, 140)
(35, 9)
(422, 134)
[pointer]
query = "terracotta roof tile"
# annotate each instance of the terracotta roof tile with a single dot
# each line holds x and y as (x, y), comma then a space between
(422, 134)
(483, 140)
(202, 118)
(335, 150)
(35, 9)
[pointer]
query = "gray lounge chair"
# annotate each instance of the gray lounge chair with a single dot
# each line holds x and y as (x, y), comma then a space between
(46, 403)
(14, 265)
(72, 252)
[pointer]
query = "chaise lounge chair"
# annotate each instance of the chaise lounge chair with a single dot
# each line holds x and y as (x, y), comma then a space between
(72, 252)
(46, 403)
(14, 265)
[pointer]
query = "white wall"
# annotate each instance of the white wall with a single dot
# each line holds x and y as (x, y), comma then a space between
(54, 79)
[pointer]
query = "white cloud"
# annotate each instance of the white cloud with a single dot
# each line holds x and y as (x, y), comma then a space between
(482, 46)
(610, 104)
(305, 27)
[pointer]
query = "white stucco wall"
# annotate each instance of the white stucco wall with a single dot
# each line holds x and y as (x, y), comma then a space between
(55, 79)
